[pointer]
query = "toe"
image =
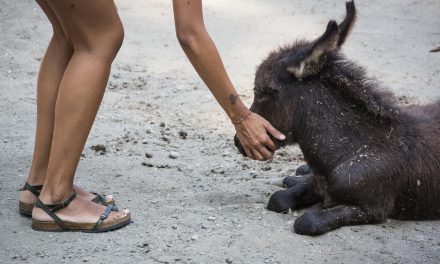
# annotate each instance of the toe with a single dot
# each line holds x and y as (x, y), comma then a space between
(109, 198)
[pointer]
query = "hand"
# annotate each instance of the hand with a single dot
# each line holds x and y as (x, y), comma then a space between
(253, 135)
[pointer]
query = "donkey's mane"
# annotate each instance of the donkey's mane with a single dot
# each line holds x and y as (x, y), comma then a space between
(350, 80)
(353, 83)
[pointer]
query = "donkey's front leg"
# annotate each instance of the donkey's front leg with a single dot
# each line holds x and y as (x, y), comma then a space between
(302, 194)
(318, 221)
(301, 172)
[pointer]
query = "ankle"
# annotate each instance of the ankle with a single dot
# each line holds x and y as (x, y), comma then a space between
(36, 177)
(53, 196)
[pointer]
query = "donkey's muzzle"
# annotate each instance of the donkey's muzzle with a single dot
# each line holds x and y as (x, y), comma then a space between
(239, 146)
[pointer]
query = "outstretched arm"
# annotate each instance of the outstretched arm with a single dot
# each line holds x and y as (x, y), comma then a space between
(252, 130)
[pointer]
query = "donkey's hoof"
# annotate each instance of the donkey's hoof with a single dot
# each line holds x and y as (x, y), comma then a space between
(303, 170)
(280, 202)
(309, 224)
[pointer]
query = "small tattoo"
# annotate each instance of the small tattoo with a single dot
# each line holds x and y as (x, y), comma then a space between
(233, 98)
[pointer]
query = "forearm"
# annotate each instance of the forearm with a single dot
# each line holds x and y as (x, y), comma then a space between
(252, 130)
(204, 56)
(206, 60)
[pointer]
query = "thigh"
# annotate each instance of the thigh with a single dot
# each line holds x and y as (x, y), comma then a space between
(56, 25)
(87, 22)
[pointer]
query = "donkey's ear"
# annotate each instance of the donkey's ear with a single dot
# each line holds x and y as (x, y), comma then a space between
(309, 60)
(346, 25)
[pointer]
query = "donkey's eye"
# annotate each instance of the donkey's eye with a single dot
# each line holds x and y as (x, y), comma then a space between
(265, 97)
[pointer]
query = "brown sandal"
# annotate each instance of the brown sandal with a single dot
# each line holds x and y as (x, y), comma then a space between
(26, 208)
(62, 226)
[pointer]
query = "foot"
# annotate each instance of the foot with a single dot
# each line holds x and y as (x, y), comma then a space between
(80, 210)
(30, 198)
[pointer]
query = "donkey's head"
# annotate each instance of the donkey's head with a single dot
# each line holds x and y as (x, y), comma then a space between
(283, 77)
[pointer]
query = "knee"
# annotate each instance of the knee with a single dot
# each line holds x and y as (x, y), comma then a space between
(60, 37)
(115, 39)
(108, 46)
(104, 45)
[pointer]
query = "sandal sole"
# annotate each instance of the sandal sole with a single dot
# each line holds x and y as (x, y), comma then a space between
(50, 226)
(25, 209)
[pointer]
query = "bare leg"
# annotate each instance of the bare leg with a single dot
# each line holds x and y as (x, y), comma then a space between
(96, 34)
(53, 66)
(51, 72)
(317, 221)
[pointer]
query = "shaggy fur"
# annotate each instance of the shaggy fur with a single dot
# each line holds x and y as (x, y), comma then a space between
(371, 158)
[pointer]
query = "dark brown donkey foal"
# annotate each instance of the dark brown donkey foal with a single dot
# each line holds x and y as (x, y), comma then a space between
(370, 158)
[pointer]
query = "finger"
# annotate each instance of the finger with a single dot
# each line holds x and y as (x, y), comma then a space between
(274, 132)
(248, 153)
(270, 145)
(267, 154)
(257, 155)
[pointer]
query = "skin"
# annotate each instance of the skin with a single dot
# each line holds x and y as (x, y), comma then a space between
(254, 130)
(72, 79)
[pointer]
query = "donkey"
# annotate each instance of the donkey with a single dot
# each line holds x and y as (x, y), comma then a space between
(370, 158)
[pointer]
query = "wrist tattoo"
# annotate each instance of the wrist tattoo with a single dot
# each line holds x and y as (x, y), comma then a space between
(233, 98)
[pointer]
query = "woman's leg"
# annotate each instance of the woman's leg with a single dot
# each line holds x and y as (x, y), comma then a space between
(51, 72)
(96, 34)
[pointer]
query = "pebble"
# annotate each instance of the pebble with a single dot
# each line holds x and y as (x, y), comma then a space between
(226, 154)
(5, 141)
(195, 237)
(267, 168)
(211, 218)
(145, 141)
(147, 164)
(99, 148)
(148, 155)
(174, 155)
(254, 174)
(228, 260)
(183, 134)
(162, 124)
(148, 131)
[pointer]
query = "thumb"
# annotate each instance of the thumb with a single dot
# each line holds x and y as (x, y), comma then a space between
(274, 132)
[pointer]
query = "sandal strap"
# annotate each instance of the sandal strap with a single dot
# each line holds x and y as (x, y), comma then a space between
(50, 209)
(103, 216)
(99, 198)
(35, 189)
(102, 199)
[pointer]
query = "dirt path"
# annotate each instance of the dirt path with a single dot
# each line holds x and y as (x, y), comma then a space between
(207, 205)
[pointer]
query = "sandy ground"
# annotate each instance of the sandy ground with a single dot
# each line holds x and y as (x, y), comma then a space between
(208, 205)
